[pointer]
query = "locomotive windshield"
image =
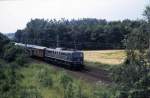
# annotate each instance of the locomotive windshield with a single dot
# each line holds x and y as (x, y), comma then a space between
(77, 54)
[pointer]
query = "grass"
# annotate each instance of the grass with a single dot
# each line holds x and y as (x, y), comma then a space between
(31, 79)
(104, 58)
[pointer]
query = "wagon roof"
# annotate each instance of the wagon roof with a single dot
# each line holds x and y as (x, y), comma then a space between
(19, 44)
(65, 51)
(35, 46)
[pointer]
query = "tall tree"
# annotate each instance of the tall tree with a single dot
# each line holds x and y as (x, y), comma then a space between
(133, 77)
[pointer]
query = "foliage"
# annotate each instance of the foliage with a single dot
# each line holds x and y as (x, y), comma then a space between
(3, 41)
(85, 33)
(9, 76)
(15, 53)
(21, 59)
(133, 77)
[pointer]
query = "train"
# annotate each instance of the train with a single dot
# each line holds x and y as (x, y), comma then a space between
(68, 58)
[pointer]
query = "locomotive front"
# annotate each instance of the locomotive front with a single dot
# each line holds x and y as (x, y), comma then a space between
(77, 58)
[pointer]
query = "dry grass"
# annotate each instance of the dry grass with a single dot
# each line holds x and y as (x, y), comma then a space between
(112, 57)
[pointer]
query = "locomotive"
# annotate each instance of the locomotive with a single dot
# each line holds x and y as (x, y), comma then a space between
(69, 58)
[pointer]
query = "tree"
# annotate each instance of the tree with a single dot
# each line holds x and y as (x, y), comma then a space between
(3, 41)
(87, 33)
(133, 77)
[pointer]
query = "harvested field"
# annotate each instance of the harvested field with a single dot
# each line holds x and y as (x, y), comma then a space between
(112, 57)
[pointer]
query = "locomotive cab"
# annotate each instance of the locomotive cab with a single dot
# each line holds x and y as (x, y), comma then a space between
(77, 58)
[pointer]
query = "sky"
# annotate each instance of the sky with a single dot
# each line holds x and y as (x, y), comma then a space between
(14, 14)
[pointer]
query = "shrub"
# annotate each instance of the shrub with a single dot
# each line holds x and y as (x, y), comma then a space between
(15, 53)
(3, 41)
(21, 59)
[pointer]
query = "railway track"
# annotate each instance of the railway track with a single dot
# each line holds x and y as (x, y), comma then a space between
(100, 74)
(88, 74)
(93, 75)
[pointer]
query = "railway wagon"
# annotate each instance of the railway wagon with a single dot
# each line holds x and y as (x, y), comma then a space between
(37, 51)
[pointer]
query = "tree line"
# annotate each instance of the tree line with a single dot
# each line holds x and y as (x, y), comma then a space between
(86, 33)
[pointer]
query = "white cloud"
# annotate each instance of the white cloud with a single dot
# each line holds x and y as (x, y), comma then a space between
(15, 14)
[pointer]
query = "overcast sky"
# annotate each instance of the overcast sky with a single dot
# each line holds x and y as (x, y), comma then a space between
(14, 14)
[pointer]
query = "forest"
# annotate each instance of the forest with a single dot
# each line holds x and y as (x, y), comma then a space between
(86, 33)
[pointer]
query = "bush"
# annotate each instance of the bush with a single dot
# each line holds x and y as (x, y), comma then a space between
(21, 59)
(15, 53)
(3, 41)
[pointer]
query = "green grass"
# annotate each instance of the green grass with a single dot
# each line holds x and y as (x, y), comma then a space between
(31, 79)
(32, 76)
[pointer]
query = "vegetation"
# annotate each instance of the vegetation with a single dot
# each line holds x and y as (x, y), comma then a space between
(81, 34)
(133, 77)
(9, 65)
(39, 80)
(61, 84)
(3, 41)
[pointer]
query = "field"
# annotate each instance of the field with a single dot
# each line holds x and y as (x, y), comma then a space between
(104, 58)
